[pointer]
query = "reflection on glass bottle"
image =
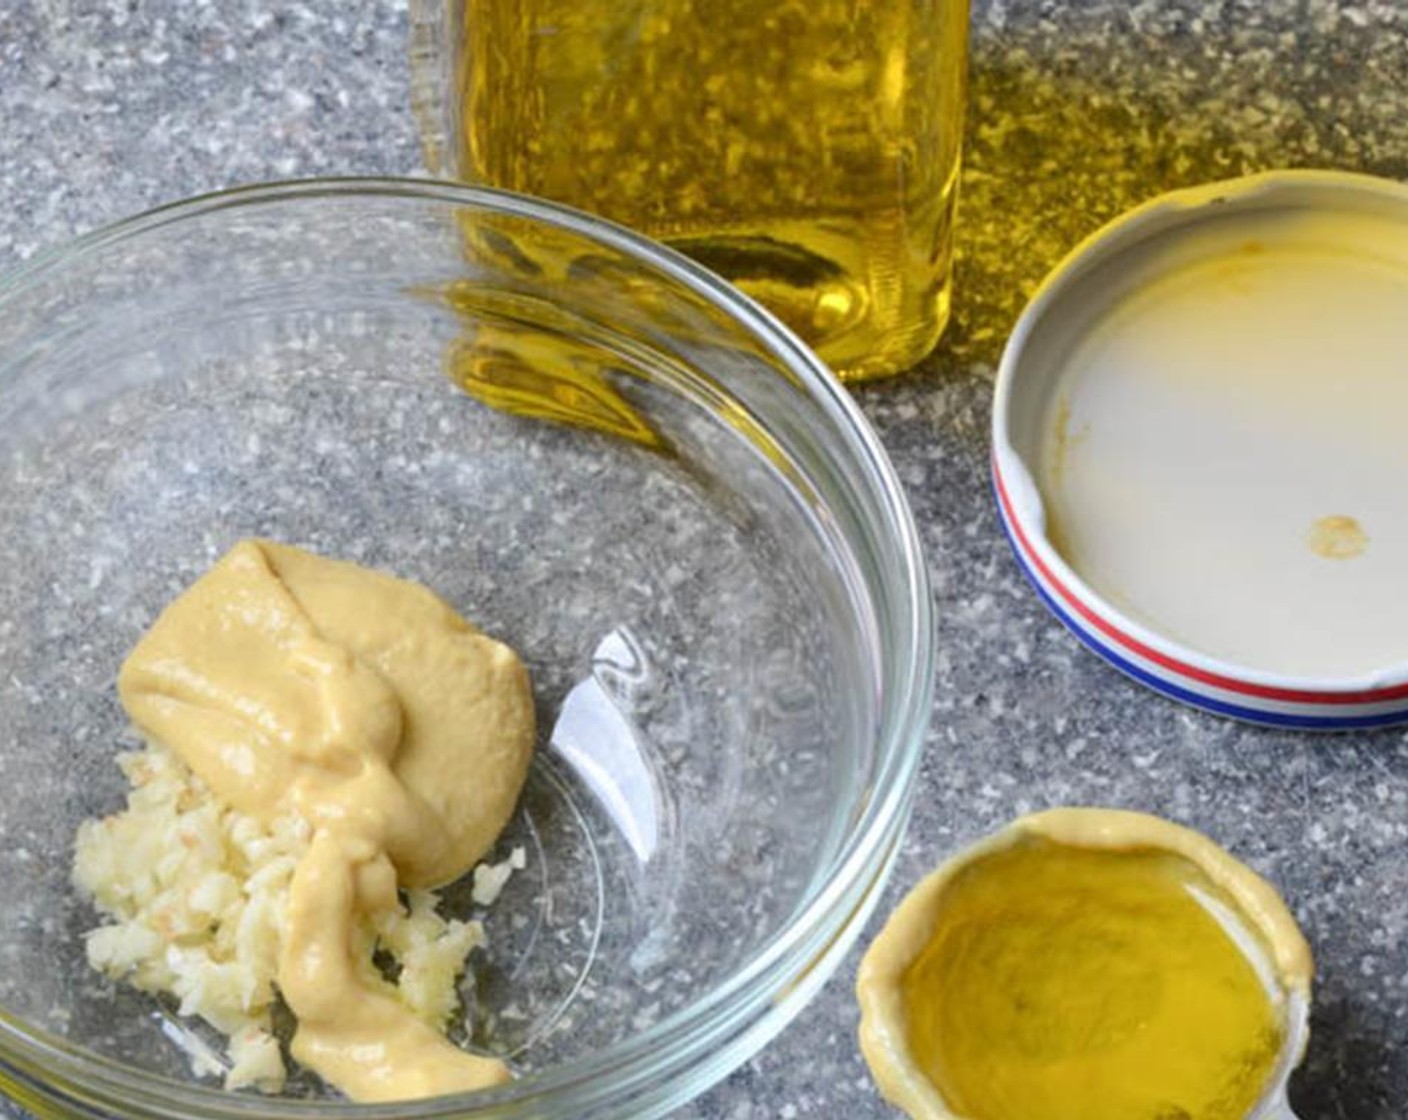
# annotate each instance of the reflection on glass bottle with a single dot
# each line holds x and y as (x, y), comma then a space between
(805, 149)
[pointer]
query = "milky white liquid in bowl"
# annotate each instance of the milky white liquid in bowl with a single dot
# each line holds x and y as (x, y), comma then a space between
(1223, 455)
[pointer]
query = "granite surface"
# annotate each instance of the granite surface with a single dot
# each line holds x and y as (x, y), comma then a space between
(1079, 109)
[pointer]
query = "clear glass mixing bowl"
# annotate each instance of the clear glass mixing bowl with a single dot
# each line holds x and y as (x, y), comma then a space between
(593, 448)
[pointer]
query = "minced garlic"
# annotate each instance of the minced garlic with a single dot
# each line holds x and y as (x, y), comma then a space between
(195, 893)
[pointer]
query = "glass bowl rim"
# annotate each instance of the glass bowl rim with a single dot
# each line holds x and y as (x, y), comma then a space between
(864, 858)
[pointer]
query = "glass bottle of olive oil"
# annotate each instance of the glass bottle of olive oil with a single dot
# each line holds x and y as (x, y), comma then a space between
(807, 150)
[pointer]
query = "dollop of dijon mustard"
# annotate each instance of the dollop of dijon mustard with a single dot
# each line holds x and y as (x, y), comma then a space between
(365, 704)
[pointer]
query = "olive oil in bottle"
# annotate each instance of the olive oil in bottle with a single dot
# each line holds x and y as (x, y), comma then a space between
(807, 150)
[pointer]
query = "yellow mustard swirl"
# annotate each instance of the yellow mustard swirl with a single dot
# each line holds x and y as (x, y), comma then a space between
(364, 703)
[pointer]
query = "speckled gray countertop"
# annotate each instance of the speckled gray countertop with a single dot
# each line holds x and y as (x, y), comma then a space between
(1078, 110)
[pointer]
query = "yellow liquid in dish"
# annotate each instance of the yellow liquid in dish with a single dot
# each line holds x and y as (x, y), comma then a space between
(1065, 983)
(807, 150)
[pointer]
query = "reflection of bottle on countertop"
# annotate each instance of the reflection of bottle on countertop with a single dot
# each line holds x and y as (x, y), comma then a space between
(806, 151)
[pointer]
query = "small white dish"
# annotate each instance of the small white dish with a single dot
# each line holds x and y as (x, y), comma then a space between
(1247, 908)
(1199, 449)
